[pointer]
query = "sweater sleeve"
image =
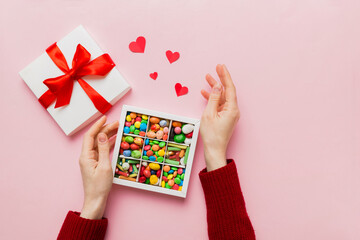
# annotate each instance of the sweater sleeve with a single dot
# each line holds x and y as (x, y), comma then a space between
(226, 213)
(76, 227)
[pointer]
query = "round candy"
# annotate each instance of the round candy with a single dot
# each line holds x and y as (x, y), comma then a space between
(179, 138)
(166, 168)
(143, 127)
(161, 152)
(177, 180)
(133, 115)
(180, 171)
(163, 123)
(175, 187)
(125, 166)
(144, 117)
(144, 164)
(160, 159)
(133, 146)
(153, 179)
(177, 130)
(149, 153)
(189, 135)
(139, 141)
(138, 119)
(128, 118)
(155, 147)
(152, 158)
(154, 166)
(132, 128)
(166, 130)
(142, 179)
(147, 147)
(176, 124)
(159, 134)
(136, 132)
(137, 124)
(187, 128)
(151, 134)
(158, 173)
(128, 124)
(171, 182)
(162, 144)
(187, 141)
(126, 129)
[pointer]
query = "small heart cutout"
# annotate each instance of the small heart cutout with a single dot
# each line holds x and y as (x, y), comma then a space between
(172, 56)
(154, 75)
(180, 90)
(138, 46)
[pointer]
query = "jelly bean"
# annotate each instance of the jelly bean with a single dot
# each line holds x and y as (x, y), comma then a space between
(147, 141)
(124, 145)
(126, 130)
(165, 174)
(154, 166)
(179, 138)
(182, 176)
(180, 171)
(175, 173)
(162, 184)
(142, 134)
(170, 176)
(147, 173)
(132, 128)
(177, 130)
(171, 171)
(182, 153)
(189, 135)
(147, 181)
(133, 146)
(158, 173)
(153, 179)
(166, 168)
(165, 178)
(187, 128)
(154, 120)
(127, 153)
(142, 179)
(129, 139)
(176, 124)
(136, 154)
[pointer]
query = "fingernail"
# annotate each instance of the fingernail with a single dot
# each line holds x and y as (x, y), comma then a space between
(102, 137)
(217, 89)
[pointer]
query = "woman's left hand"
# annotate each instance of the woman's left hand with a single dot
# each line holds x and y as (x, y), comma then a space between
(95, 167)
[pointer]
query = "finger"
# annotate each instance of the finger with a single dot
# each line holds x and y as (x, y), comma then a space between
(214, 99)
(225, 78)
(212, 82)
(89, 137)
(110, 128)
(103, 147)
(205, 94)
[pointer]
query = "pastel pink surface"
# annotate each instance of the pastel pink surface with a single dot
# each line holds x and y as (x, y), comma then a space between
(296, 66)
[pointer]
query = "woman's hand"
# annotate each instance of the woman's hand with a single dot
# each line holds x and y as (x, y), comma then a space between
(219, 118)
(95, 167)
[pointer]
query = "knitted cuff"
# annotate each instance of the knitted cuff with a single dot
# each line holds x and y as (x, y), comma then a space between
(76, 227)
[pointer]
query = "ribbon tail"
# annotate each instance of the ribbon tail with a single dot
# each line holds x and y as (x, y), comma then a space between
(99, 102)
(47, 99)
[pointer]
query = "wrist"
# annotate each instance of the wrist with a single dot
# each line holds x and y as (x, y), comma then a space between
(94, 208)
(215, 159)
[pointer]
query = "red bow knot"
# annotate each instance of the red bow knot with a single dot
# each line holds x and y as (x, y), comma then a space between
(60, 88)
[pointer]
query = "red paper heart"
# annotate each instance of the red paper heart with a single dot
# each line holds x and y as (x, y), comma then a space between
(138, 46)
(154, 75)
(180, 90)
(172, 56)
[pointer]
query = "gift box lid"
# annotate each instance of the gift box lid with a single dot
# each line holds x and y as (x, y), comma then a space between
(80, 111)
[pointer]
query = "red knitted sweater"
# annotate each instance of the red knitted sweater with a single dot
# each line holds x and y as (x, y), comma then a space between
(226, 213)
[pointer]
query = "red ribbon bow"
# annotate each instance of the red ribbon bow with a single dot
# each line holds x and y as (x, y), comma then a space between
(60, 88)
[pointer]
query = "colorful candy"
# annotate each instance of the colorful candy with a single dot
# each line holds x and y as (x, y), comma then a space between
(176, 154)
(158, 128)
(154, 150)
(173, 178)
(127, 169)
(131, 147)
(181, 133)
(136, 124)
(150, 174)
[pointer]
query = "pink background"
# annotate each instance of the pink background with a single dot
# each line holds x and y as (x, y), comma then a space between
(296, 65)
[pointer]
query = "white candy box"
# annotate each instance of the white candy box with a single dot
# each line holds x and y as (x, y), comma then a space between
(108, 83)
(154, 151)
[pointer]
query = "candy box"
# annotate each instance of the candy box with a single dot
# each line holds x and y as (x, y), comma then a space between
(82, 80)
(154, 151)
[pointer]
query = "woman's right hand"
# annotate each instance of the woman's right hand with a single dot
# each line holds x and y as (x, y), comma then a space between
(219, 118)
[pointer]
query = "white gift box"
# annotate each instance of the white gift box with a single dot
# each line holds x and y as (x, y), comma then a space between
(120, 157)
(80, 111)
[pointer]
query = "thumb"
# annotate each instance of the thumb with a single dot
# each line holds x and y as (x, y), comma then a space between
(103, 147)
(214, 99)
